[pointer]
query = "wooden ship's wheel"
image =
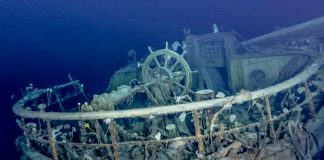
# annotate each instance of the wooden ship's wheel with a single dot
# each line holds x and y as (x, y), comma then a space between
(171, 74)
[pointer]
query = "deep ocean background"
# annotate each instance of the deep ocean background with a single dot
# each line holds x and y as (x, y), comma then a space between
(41, 41)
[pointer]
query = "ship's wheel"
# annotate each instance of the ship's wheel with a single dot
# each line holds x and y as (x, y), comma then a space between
(170, 73)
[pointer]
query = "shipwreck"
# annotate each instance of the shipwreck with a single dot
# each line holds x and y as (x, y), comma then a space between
(213, 96)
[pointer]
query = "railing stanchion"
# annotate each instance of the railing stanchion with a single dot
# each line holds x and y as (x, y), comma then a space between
(102, 137)
(82, 132)
(201, 147)
(25, 133)
(312, 110)
(271, 127)
(112, 129)
(52, 140)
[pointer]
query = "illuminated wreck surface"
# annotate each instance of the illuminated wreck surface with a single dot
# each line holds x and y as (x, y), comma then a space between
(214, 96)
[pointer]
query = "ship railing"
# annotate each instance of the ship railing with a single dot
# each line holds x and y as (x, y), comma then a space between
(91, 122)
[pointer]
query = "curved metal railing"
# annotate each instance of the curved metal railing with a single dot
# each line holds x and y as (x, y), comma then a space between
(221, 103)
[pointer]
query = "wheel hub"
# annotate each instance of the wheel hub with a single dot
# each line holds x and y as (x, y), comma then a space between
(161, 73)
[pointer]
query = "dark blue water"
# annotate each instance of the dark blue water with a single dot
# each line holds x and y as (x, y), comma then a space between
(41, 41)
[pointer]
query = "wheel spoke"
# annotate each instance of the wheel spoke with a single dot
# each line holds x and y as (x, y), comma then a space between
(148, 72)
(178, 74)
(149, 69)
(174, 65)
(180, 85)
(157, 62)
(166, 62)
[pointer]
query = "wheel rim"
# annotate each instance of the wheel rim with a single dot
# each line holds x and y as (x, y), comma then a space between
(168, 68)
